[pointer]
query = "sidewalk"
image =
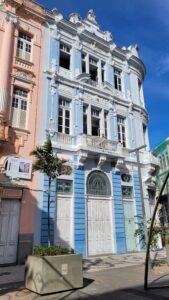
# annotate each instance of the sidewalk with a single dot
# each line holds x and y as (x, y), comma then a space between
(106, 277)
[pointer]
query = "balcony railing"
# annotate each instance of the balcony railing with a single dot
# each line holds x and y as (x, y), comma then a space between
(64, 72)
(64, 139)
(24, 64)
(97, 143)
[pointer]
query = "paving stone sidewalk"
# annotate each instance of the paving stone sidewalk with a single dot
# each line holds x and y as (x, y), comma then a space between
(12, 277)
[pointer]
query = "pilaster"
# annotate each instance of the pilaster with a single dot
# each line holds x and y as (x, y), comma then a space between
(5, 61)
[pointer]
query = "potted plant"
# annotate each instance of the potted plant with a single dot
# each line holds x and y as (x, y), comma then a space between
(52, 268)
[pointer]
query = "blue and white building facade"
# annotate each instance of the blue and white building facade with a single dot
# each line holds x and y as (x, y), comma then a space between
(93, 108)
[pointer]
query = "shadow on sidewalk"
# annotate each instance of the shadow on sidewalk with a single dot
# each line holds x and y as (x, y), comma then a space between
(10, 287)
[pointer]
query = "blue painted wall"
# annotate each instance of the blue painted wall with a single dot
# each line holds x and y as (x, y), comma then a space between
(109, 74)
(131, 131)
(77, 114)
(112, 122)
(44, 220)
(79, 211)
(76, 62)
(118, 214)
(127, 86)
(54, 51)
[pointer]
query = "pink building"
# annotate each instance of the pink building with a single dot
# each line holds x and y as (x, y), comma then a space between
(21, 36)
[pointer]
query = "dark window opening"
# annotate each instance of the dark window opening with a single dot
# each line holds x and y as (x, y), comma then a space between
(105, 123)
(103, 71)
(83, 63)
(117, 80)
(93, 73)
(95, 126)
(64, 60)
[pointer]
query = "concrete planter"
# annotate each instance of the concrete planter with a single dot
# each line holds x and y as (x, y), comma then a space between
(50, 274)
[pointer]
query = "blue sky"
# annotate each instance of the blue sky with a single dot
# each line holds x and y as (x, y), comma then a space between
(142, 22)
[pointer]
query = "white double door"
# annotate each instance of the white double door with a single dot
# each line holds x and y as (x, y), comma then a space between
(100, 227)
(9, 226)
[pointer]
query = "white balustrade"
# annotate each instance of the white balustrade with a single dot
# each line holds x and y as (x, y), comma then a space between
(96, 143)
(64, 72)
(64, 139)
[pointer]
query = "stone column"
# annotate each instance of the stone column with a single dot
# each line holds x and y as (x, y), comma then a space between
(6, 56)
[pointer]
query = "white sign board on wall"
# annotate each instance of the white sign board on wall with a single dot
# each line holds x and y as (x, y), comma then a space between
(19, 168)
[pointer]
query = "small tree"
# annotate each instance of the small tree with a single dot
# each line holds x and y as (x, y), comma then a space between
(140, 233)
(47, 162)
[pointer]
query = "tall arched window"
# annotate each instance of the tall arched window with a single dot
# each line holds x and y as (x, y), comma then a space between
(98, 184)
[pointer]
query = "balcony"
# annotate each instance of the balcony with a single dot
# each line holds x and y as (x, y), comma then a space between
(87, 142)
(64, 72)
(98, 143)
(64, 139)
(24, 64)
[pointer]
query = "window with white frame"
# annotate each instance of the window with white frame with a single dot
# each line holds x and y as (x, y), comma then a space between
(64, 116)
(117, 79)
(64, 56)
(121, 130)
(64, 186)
(93, 69)
(24, 46)
(83, 63)
(84, 118)
(95, 120)
(19, 108)
(127, 192)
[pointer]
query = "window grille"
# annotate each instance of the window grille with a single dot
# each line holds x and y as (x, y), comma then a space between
(98, 184)
(64, 186)
(127, 192)
(121, 130)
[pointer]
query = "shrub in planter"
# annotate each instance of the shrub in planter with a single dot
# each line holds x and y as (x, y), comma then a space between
(53, 269)
(52, 250)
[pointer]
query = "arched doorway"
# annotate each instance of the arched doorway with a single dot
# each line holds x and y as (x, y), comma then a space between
(99, 214)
